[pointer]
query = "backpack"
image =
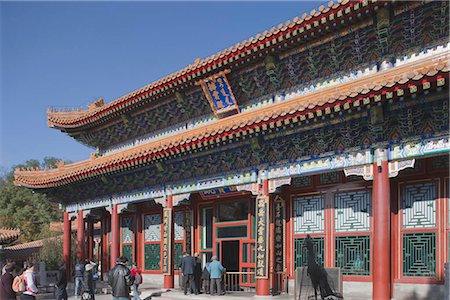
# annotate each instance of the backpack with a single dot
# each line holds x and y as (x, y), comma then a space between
(137, 278)
(18, 284)
(95, 276)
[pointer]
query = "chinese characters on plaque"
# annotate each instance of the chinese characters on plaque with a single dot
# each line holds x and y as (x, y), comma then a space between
(167, 241)
(187, 229)
(279, 234)
(219, 94)
(262, 240)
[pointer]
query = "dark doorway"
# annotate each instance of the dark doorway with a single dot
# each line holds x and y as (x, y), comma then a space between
(230, 255)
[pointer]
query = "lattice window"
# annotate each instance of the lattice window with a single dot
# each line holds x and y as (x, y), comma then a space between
(301, 254)
(152, 228)
(127, 251)
(177, 254)
(352, 211)
(152, 258)
(301, 182)
(127, 230)
(329, 178)
(309, 214)
(440, 162)
(353, 255)
(419, 254)
(179, 225)
(419, 205)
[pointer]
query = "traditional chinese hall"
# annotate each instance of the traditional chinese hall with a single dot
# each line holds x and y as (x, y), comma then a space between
(334, 125)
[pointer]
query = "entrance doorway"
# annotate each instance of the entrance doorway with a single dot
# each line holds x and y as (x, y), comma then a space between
(230, 255)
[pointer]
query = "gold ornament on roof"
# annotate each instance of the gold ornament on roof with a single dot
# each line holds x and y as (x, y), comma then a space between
(98, 103)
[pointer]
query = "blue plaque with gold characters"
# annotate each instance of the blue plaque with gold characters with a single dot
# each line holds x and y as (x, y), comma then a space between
(218, 92)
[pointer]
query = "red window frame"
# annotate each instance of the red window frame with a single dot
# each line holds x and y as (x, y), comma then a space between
(153, 211)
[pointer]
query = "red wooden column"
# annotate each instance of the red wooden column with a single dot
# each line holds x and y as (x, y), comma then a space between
(168, 244)
(66, 243)
(262, 240)
(90, 238)
(115, 235)
(139, 239)
(80, 236)
(381, 227)
(104, 243)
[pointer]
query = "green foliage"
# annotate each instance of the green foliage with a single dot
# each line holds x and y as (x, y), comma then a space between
(25, 209)
(51, 253)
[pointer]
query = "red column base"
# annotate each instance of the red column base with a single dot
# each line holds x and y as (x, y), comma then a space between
(262, 287)
(169, 282)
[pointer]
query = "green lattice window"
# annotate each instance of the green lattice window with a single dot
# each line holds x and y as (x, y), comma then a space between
(419, 205)
(127, 251)
(178, 253)
(127, 230)
(419, 254)
(353, 255)
(152, 257)
(301, 254)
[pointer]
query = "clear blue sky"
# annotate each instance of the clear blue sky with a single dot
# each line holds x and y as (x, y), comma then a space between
(66, 54)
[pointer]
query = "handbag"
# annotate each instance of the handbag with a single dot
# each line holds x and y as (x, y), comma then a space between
(86, 296)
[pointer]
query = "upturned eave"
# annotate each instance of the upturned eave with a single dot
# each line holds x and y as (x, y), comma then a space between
(414, 77)
(79, 119)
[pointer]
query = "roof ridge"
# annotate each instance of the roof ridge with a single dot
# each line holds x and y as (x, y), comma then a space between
(428, 66)
(55, 116)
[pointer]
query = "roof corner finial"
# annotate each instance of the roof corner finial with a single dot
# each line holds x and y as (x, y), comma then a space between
(60, 164)
(97, 103)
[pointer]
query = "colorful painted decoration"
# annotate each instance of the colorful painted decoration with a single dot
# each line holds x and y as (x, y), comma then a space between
(218, 92)
(215, 193)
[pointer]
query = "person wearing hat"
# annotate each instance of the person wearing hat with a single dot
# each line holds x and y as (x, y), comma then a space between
(120, 279)
(6, 281)
(89, 278)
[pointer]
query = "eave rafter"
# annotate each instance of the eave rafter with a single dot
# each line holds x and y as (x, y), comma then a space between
(409, 79)
(319, 21)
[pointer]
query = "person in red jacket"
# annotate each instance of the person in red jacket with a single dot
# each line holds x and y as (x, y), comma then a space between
(6, 281)
(136, 272)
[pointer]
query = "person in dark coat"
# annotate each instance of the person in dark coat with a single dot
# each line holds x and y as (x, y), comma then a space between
(61, 283)
(120, 279)
(198, 271)
(6, 281)
(188, 268)
(89, 269)
(206, 277)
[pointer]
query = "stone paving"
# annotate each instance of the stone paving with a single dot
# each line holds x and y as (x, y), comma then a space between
(148, 289)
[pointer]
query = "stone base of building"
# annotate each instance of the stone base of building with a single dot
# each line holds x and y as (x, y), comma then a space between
(402, 291)
(157, 280)
(407, 291)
